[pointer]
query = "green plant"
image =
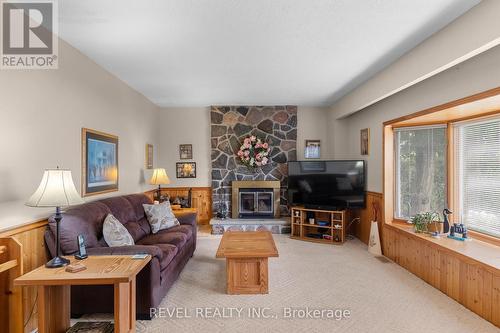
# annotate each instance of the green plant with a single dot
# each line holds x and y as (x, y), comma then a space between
(422, 221)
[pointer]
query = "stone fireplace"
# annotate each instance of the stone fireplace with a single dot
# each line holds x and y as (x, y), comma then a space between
(277, 125)
(255, 199)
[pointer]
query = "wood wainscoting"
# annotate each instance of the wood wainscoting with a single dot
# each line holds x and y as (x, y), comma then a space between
(34, 255)
(469, 281)
(201, 199)
(361, 229)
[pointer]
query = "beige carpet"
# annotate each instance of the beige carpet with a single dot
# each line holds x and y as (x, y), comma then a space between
(381, 297)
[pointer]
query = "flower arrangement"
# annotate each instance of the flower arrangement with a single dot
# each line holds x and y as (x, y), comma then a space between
(254, 152)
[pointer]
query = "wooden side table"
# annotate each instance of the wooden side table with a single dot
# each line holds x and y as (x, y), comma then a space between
(184, 210)
(54, 290)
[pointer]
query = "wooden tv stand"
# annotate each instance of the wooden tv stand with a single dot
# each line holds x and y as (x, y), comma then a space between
(331, 233)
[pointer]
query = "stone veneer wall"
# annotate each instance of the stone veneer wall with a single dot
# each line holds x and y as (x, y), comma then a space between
(230, 125)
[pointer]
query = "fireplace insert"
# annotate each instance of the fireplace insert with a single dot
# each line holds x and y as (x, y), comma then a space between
(256, 202)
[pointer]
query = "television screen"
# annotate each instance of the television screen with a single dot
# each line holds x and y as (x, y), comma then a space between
(327, 184)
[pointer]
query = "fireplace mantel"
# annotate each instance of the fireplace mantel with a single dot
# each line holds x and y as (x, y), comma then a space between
(242, 184)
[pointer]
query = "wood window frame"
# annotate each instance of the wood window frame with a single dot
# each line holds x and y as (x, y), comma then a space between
(475, 107)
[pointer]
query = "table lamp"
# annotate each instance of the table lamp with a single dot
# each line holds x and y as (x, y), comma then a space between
(159, 178)
(56, 190)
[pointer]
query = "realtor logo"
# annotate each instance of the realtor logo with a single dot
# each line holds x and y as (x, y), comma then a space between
(29, 35)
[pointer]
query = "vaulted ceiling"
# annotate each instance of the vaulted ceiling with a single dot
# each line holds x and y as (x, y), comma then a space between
(259, 52)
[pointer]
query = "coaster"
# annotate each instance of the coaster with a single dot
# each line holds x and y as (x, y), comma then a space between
(76, 267)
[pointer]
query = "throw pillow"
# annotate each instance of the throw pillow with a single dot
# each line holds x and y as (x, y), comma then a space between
(160, 216)
(115, 234)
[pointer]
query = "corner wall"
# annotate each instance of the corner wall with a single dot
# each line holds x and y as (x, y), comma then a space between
(42, 113)
(473, 76)
(192, 125)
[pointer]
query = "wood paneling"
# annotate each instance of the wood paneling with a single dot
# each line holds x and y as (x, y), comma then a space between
(11, 315)
(470, 282)
(201, 199)
(34, 255)
(372, 212)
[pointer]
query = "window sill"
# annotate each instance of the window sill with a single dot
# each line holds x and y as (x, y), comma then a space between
(476, 250)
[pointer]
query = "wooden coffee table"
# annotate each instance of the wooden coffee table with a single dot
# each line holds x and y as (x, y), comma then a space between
(246, 254)
(54, 290)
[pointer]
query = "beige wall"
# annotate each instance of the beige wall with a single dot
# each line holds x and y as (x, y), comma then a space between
(42, 113)
(473, 76)
(478, 30)
(312, 125)
(192, 125)
(180, 126)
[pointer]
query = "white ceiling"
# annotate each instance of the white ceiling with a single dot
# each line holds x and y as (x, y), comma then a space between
(250, 52)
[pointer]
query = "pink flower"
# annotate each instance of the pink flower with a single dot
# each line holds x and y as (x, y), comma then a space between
(240, 153)
(258, 145)
(264, 161)
(247, 153)
(247, 159)
(258, 163)
(253, 138)
(258, 156)
(265, 145)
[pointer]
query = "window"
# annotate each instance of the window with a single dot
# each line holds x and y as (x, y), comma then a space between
(420, 170)
(477, 146)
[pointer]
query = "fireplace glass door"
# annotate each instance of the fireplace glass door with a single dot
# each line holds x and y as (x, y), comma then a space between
(265, 202)
(256, 203)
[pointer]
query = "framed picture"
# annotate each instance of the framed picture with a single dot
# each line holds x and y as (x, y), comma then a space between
(186, 169)
(365, 141)
(186, 152)
(99, 162)
(313, 149)
(149, 156)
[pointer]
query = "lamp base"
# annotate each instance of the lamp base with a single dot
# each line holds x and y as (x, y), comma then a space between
(57, 262)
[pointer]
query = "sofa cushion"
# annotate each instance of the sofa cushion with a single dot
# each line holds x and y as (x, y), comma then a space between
(83, 220)
(160, 216)
(169, 251)
(115, 233)
(185, 229)
(121, 208)
(167, 237)
(138, 229)
(137, 200)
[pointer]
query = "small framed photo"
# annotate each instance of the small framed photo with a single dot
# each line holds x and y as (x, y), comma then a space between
(313, 149)
(186, 169)
(365, 141)
(149, 156)
(186, 152)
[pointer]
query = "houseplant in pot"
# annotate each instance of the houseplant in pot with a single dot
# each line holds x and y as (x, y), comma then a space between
(421, 222)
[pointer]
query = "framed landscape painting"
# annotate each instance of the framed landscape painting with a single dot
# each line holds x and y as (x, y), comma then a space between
(99, 162)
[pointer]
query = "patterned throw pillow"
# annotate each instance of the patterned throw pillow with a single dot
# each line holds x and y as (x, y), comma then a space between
(160, 216)
(115, 234)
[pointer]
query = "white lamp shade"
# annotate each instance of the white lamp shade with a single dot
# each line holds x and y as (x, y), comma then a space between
(159, 177)
(56, 190)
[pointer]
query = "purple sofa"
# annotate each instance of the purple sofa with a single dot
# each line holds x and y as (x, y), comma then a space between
(170, 250)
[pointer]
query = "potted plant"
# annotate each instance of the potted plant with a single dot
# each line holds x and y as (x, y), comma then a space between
(422, 221)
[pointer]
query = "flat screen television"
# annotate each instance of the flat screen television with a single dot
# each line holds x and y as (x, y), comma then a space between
(327, 185)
